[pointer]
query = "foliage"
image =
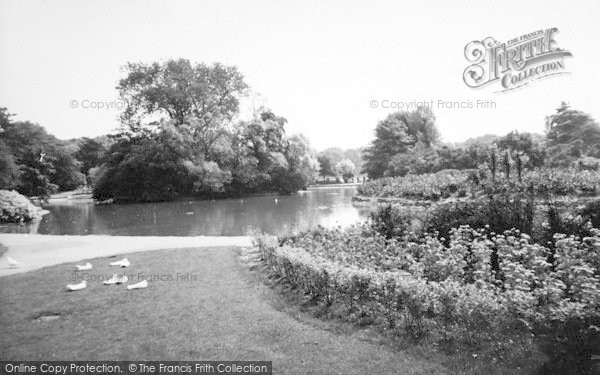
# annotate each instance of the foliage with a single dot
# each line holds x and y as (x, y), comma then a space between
(452, 183)
(390, 221)
(397, 134)
(346, 169)
(201, 98)
(90, 152)
(195, 146)
(9, 169)
(570, 135)
(325, 167)
(591, 212)
(36, 163)
(330, 157)
(477, 287)
(144, 169)
(498, 212)
(428, 186)
(15, 208)
(164, 164)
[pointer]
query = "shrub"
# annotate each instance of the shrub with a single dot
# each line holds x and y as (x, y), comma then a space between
(16, 208)
(476, 286)
(390, 221)
(433, 186)
(591, 212)
(498, 212)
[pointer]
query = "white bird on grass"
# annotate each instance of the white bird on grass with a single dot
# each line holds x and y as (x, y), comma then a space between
(141, 285)
(73, 287)
(13, 263)
(112, 280)
(85, 267)
(116, 279)
(121, 263)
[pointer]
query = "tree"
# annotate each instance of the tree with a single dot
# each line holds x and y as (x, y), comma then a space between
(397, 134)
(325, 165)
(200, 99)
(346, 169)
(522, 145)
(570, 135)
(9, 170)
(303, 167)
(43, 163)
(146, 168)
(89, 154)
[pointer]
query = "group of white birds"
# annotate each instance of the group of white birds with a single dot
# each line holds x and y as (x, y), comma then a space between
(114, 279)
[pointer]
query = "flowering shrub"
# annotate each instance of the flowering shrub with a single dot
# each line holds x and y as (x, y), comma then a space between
(16, 208)
(474, 286)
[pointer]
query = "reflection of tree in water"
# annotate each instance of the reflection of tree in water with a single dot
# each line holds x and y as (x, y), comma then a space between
(288, 215)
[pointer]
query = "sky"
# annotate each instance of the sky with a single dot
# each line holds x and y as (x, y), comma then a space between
(331, 68)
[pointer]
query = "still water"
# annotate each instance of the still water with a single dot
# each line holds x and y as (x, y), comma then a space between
(277, 215)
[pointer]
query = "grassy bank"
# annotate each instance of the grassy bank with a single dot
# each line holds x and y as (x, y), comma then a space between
(224, 313)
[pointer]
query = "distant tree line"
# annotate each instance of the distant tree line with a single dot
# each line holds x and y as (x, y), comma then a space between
(408, 143)
(341, 164)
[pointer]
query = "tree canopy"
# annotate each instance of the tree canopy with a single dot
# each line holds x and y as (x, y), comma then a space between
(398, 133)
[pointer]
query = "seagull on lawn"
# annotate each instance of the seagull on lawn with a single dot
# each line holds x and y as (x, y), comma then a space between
(73, 287)
(116, 279)
(112, 280)
(121, 263)
(140, 285)
(12, 263)
(85, 267)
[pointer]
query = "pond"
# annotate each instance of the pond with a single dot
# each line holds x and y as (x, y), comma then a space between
(274, 214)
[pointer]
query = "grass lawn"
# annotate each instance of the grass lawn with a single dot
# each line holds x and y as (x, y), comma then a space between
(222, 311)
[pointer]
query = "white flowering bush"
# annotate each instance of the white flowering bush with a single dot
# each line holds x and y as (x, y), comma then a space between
(16, 208)
(473, 287)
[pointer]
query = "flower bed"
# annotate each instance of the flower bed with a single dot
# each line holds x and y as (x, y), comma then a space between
(433, 186)
(479, 287)
(453, 183)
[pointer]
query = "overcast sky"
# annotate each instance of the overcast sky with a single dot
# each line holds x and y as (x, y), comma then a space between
(317, 63)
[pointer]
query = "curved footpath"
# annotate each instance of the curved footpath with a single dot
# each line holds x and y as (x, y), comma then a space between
(37, 250)
(217, 310)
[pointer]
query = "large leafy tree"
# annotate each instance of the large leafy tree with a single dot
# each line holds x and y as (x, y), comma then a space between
(571, 135)
(396, 134)
(200, 99)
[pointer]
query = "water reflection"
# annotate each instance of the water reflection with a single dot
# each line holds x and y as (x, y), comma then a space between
(278, 215)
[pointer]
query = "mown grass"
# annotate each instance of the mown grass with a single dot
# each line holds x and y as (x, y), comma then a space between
(221, 312)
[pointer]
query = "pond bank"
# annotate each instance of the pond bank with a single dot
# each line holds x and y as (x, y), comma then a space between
(35, 251)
